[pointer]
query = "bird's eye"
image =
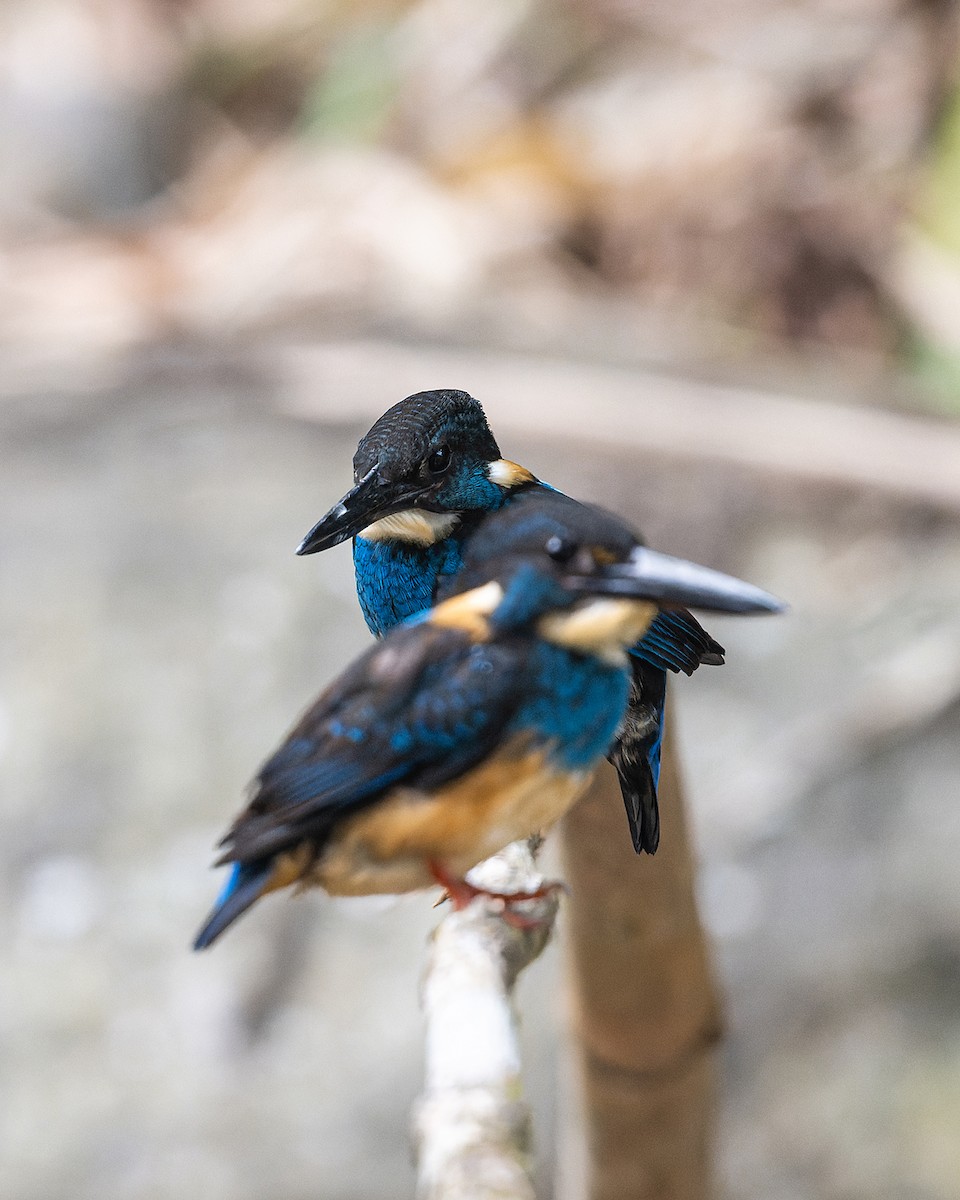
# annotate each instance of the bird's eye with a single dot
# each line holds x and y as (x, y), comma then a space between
(560, 549)
(439, 459)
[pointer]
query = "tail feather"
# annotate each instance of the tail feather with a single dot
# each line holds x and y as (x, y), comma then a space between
(246, 884)
(636, 755)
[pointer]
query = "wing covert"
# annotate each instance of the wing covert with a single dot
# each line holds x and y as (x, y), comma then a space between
(417, 719)
(676, 641)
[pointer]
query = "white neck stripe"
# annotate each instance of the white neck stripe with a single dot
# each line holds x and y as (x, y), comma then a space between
(416, 526)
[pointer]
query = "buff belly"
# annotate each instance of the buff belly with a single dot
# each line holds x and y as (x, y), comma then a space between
(388, 848)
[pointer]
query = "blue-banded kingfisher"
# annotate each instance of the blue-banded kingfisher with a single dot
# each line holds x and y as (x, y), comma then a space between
(474, 724)
(428, 473)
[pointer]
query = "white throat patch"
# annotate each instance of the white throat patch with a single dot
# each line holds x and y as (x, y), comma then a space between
(413, 525)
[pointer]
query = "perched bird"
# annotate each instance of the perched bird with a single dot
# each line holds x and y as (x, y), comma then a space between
(427, 475)
(475, 724)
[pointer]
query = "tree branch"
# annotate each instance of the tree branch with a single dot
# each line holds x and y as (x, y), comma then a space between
(472, 1127)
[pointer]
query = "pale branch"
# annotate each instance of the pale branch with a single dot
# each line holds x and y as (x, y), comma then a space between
(472, 1126)
(648, 413)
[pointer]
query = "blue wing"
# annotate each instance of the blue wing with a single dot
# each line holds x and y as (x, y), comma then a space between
(676, 641)
(419, 708)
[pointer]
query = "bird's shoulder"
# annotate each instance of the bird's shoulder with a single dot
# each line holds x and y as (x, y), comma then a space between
(383, 680)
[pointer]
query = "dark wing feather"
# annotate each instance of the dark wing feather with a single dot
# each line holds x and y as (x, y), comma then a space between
(676, 641)
(419, 708)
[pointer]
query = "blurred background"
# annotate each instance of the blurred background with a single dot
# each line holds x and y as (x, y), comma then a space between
(701, 263)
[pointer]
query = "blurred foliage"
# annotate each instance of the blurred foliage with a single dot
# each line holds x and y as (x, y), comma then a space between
(743, 171)
(940, 204)
(353, 96)
(931, 347)
(937, 370)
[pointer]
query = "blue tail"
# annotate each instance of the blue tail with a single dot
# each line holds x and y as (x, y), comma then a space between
(657, 697)
(245, 885)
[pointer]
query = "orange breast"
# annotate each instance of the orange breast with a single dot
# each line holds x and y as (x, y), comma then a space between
(387, 848)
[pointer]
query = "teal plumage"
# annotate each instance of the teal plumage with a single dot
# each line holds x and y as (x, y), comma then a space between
(396, 580)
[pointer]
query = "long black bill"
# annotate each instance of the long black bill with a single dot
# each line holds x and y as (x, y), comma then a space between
(366, 502)
(649, 575)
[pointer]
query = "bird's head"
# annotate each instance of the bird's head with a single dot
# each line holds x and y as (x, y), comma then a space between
(427, 460)
(583, 577)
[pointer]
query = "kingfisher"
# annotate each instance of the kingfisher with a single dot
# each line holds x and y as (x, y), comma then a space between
(469, 726)
(427, 475)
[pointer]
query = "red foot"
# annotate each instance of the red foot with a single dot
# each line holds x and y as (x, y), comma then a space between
(461, 893)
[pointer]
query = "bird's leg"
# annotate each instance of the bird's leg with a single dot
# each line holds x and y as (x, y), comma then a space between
(456, 890)
(460, 892)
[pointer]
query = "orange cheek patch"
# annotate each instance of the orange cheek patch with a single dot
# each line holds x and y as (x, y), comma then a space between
(469, 611)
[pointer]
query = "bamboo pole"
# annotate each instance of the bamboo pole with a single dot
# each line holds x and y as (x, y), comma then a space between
(646, 1013)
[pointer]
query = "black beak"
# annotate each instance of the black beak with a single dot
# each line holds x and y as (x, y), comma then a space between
(366, 502)
(673, 582)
